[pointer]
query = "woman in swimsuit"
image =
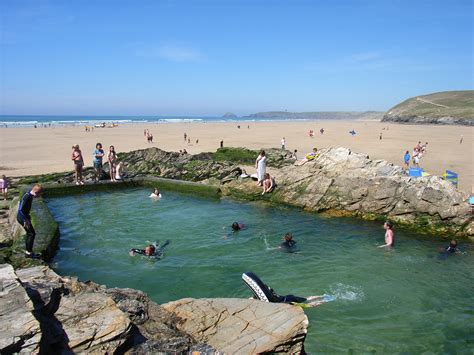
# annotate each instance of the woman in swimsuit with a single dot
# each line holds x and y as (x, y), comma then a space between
(78, 164)
(112, 163)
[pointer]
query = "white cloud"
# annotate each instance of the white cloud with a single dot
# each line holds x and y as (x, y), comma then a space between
(172, 53)
(365, 57)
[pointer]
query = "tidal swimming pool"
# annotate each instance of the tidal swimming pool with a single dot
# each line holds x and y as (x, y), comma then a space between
(409, 299)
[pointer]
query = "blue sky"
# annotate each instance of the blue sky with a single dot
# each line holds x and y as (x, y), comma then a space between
(207, 57)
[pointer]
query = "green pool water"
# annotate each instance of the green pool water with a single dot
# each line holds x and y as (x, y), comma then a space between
(409, 299)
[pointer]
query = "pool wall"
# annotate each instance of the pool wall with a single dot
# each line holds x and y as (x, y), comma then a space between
(47, 230)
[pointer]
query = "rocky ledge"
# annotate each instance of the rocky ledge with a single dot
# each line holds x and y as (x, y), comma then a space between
(341, 182)
(412, 119)
(42, 312)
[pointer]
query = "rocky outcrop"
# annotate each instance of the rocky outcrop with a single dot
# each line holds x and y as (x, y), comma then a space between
(43, 312)
(342, 182)
(19, 329)
(241, 326)
(415, 119)
(229, 115)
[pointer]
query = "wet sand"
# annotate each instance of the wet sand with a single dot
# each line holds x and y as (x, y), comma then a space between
(27, 151)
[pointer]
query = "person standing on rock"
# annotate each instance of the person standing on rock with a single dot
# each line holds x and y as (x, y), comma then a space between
(98, 155)
(76, 157)
(283, 143)
(389, 235)
(261, 166)
(24, 218)
(112, 163)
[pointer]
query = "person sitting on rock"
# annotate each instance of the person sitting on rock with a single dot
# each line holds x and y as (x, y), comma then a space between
(308, 157)
(268, 183)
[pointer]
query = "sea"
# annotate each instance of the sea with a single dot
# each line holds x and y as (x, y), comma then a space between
(66, 120)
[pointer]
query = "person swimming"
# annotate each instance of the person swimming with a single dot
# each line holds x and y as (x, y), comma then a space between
(155, 194)
(288, 242)
(154, 250)
(236, 226)
(452, 247)
(148, 251)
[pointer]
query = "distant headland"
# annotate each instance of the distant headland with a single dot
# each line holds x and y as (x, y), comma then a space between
(337, 115)
(447, 107)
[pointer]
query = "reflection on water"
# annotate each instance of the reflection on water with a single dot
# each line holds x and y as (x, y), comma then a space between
(402, 300)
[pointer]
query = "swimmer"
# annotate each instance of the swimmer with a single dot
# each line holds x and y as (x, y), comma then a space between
(389, 235)
(288, 241)
(148, 251)
(236, 226)
(155, 194)
(452, 248)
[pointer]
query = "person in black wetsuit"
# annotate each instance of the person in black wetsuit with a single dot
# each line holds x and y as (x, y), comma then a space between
(236, 226)
(24, 218)
(452, 248)
(288, 242)
(148, 251)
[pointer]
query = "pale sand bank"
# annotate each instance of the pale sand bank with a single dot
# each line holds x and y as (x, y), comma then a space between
(26, 151)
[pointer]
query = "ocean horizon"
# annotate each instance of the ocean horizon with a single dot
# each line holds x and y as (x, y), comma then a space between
(92, 120)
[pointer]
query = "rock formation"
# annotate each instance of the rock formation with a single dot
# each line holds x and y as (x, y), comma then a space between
(342, 182)
(43, 312)
(250, 326)
(19, 329)
(229, 115)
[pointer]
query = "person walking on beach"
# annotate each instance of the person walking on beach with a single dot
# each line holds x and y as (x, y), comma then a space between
(24, 218)
(78, 164)
(4, 187)
(112, 163)
(389, 235)
(98, 155)
(261, 166)
(283, 143)
(406, 158)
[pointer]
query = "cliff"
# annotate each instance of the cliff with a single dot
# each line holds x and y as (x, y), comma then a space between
(448, 107)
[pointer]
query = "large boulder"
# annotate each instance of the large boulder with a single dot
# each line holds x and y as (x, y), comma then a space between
(73, 317)
(342, 182)
(19, 329)
(242, 326)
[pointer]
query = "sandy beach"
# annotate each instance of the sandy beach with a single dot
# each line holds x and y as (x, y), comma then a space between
(28, 151)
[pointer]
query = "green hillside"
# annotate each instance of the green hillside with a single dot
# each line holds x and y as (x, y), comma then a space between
(448, 107)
